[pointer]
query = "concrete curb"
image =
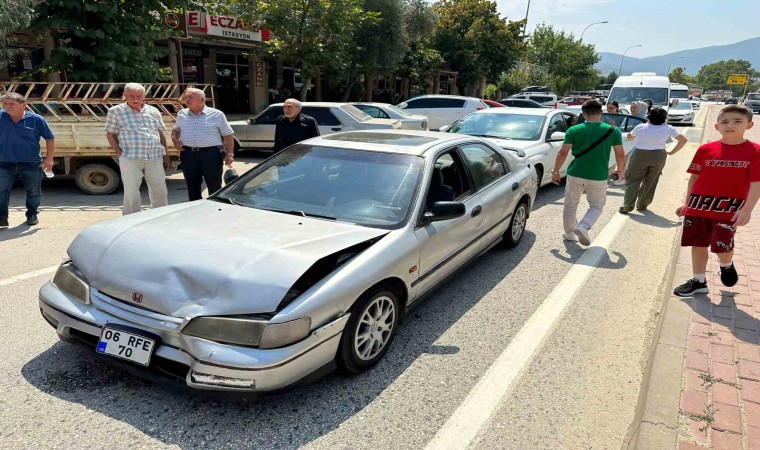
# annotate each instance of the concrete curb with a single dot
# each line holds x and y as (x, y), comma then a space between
(656, 419)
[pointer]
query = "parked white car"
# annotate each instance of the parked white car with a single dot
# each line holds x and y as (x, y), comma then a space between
(546, 99)
(442, 109)
(408, 120)
(537, 133)
(257, 133)
(681, 114)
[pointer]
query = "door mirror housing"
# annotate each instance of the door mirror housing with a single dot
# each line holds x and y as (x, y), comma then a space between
(556, 137)
(444, 128)
(251, 120)
(444, 211)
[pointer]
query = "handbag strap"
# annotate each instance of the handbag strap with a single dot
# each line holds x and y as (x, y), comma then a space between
(598, 141)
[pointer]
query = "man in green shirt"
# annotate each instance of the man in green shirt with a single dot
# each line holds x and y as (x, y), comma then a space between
(590, 143)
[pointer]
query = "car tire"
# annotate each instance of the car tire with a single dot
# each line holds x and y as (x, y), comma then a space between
(517, 224)
(97, 179)
(374, 317)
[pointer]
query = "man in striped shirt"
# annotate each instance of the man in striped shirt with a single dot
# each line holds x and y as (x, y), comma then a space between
(136, 133)
(206, 141)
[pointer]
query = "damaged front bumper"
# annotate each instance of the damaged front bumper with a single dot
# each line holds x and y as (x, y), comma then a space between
(200, 363)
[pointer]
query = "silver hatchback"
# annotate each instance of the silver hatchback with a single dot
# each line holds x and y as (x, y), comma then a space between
(311, 258)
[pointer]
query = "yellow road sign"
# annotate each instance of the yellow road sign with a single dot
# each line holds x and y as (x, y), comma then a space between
(738, 79)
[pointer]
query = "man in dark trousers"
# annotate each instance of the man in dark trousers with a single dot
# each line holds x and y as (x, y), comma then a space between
(293, 127)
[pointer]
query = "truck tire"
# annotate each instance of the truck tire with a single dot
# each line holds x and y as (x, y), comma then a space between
(97, 179)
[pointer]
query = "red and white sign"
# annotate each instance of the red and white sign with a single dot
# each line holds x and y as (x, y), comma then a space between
(259, 73)
(224, 26)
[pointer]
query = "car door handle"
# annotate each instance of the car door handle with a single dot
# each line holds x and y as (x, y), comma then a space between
(515, 186)
(476, 211)
(336, 128)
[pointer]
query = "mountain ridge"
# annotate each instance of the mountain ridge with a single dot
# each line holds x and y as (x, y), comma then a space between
(692, 60)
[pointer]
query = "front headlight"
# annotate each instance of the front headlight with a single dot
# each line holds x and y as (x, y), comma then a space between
(248, 332)
(70, 280)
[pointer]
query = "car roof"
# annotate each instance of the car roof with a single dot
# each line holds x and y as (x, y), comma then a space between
(409, 142)
(318, 104)
(458, 97)
(522, 111)
(371, 103)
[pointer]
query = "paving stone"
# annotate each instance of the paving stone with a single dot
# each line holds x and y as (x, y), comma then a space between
(747, 336)
(749, 369)
(722, 311)
(747, 351)
(694, 382)
(697, 361)
(699, 329)
(698, 344)
(753, 438)
(701, 305)
(727, 418)
(699, 431)
(722, 324)
(722, 353)
(750, 390)
(683, 445)
(725, 393)
(693, 402)
(726, 372)
(752, 414)
(726, 441)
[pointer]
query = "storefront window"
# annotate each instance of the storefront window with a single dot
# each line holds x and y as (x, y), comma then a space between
(232, 83)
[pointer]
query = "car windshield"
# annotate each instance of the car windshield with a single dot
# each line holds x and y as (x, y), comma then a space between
(679, 94)
(399, 111)
(626, 95)
(373, 189)
(356, 113)
(753, 96)
(521, 127)
(683, 105)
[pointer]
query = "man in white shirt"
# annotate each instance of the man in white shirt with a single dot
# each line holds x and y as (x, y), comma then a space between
(205, 139)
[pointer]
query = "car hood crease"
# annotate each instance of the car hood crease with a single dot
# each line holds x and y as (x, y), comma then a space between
(207, 258)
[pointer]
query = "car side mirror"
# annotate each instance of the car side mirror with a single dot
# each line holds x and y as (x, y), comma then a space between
(674, 103)
(444, 211)
(556, 137)
(252, 120)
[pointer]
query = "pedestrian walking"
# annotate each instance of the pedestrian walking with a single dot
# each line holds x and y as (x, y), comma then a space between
(648, 159)
(722, 192)
(20, 156)
(206, 142)
(135, 131)
(613, 116)
(293, 126)
(591, 143)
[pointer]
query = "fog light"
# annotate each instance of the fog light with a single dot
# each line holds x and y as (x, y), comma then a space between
(217, 380)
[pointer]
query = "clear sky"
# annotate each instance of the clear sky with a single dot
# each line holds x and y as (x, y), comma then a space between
(662, 26)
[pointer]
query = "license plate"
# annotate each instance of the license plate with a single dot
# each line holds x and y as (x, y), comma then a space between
(125, 345)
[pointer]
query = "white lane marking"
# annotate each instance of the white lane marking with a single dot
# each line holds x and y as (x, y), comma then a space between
(26, 276)
(463, 426)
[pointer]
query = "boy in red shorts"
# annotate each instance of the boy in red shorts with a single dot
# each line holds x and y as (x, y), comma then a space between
(723, 190)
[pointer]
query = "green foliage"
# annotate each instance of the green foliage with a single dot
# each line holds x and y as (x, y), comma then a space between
(516, 79)
(568, 61)
(16, 15)
(105, 41)
(475, 40)
(715, 75)
(420, 62)
(610, 78)
(490, 91)
(679, 75)
(380, 44)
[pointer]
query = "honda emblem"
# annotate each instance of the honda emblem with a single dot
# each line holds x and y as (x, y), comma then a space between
(137, 297)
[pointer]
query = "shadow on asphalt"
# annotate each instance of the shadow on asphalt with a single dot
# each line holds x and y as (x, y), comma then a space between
(17, 231)
(287, 420)
(574, 251)
(651, 218)
(743, 326)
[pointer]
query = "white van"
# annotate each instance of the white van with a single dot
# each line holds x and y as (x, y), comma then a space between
(641, 86)
(679, 91)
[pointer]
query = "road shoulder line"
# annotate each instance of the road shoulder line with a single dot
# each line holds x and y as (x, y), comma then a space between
(27, 275)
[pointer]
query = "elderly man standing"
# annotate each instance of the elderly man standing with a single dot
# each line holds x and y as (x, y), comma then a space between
(293, 127)
(206, 141)
(20, 133)
(136, 133)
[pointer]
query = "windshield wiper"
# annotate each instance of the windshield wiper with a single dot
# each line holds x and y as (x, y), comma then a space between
(493, 136)
(225, 200)
(296, 212)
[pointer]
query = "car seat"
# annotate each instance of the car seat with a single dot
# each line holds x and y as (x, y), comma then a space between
(438, 192)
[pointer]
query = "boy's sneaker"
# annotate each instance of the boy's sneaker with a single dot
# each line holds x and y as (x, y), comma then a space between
(582, 234)
(32, 220)
(570, 237)
(690, 288)
(728, 275)
(3, 223)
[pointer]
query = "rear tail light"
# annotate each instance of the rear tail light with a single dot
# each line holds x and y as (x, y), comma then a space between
(555, 105)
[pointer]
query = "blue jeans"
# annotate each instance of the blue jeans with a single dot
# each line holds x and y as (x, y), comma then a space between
(30, 175)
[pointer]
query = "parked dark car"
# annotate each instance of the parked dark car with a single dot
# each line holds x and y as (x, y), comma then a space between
(520, 103)
(732, 101)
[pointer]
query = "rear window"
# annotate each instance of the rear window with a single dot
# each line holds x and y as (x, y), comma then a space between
(446, 103)
(420, 103)
(541, 99)
(753, 96)
(356, 113)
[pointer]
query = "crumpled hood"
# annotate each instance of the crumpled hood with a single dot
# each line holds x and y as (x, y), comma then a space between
(207, 258)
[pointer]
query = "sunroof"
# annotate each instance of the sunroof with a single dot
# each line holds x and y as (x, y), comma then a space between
(404, 140)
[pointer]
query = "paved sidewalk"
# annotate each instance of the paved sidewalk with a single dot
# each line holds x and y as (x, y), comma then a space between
(718, 356)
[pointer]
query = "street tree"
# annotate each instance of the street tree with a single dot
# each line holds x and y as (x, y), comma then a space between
(679, 75)
(610, 78)
(568, 61)
(106, 41)
(313, 35)
(16, 15)
(420, 62)
(715, 75)
(476, 41)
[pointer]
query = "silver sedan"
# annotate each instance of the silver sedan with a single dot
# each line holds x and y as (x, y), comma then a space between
(408, 120)
(311, 258)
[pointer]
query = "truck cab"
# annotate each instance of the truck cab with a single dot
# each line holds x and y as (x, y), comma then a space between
(642, 86)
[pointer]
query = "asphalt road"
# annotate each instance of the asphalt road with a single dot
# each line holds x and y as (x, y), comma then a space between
(55, 395)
